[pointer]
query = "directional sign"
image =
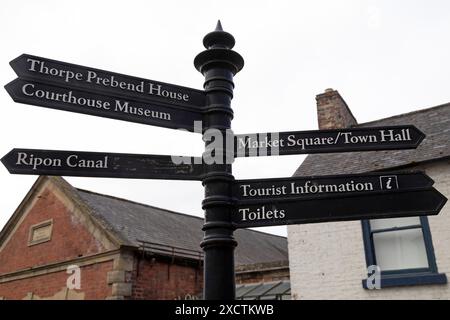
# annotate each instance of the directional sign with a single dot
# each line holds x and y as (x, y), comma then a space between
(279, 189)
(85, 78)
(327, 141)
(102, 105)
(340, 208)
(98, 164)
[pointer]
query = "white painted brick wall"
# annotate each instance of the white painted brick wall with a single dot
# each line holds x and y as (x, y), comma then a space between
(327, 259)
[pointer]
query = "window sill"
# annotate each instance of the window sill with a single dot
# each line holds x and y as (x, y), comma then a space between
(410, 279)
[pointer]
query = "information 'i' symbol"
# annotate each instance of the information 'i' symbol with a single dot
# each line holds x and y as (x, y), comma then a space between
(388, 183)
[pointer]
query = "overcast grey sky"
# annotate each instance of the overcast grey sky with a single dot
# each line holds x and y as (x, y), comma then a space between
(384, 57)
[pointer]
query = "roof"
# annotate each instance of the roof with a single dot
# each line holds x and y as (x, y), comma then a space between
(134, 221)
(277, 290)
(434, 122)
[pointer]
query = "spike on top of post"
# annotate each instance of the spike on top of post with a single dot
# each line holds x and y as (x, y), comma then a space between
(219, 38)
(218, 26)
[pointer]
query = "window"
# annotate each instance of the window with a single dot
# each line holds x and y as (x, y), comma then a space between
(403, 249)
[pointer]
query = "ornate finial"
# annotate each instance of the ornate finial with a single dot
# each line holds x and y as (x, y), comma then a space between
(219, 38)
(219, 26)
(218, 51)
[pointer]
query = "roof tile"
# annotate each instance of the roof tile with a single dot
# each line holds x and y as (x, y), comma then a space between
(135, 221)
(434, 122)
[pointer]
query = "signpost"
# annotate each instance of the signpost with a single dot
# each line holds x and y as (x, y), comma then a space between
(281, 201)
(327, 141)
(377, 205)
(228, 204)
(318, 187)
(70, 75)
(218, 63)
(102, 105)
(100, 164)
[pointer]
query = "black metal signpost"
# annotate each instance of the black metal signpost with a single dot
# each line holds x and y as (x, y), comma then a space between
(228, 204)
(271, 202)
(328, 141)
(70, 75)
(402, 203)
(100, 164)
(321, 186)
(218, 63)
(103, 105)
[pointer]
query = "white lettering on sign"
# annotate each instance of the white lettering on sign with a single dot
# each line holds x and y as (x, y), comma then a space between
(261, 142)
(92, 77)
(112, 82)
(252, 142)
(39, 66)
(349, 138)
(304, 142)
(123, 106)
(390, 135)
(72, 161)
(157, 90)
(248, 191)
(35, 162)
(308, 187)
(313, 188)
(261, 214)
(69, 97)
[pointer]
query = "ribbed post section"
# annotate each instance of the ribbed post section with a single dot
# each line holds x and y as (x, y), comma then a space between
(218, 63)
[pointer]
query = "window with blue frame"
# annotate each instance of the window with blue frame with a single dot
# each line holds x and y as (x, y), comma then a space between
(403, 250)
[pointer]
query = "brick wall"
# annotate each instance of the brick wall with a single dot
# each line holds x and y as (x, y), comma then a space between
(69, 238)
(39, 271)
(262, 272)
(52, 285)
(161, 279)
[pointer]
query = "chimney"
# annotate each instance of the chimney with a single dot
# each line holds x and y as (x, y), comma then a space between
(333, 112)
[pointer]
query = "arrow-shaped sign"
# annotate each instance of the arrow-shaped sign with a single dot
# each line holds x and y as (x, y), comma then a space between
(85, 78)
(102, 105)
(327, 141)
(280, 189)
(340, 208)
(98, 164)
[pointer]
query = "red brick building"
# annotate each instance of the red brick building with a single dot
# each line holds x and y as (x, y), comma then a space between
(117, 249)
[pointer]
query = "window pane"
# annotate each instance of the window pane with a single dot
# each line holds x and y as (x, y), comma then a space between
(261, 290)
(246, 289)
(398, 250)
(378, 224)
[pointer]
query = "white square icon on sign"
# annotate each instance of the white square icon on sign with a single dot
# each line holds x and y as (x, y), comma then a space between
(388, 182)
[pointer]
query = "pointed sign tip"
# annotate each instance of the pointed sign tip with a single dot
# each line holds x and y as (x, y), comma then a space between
(219, 26)
(9, 87)
(4, 160)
